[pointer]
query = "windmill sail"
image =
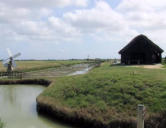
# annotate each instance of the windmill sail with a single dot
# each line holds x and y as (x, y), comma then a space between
(9, 52)
(10, 62)
(16, 55)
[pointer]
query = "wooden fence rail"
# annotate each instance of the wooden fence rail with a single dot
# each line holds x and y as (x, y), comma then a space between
(12, 75)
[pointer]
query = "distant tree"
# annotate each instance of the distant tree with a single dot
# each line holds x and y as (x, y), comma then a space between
(164, 60)
(115, 61)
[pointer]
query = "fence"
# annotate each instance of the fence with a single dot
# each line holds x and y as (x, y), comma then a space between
(12, 75)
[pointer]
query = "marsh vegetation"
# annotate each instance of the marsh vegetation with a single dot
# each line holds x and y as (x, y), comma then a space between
(110, 94)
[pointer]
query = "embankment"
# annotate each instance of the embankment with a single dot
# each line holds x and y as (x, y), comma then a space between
(49, 107)
(26, 81)
(107, 97)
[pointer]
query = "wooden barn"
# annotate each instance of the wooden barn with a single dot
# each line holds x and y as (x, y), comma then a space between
(141, 50)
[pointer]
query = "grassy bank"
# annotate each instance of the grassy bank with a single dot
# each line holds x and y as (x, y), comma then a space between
(26, 66)
(108, 94)
(42, 82)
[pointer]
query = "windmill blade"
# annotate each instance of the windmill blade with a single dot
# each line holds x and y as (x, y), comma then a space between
(16, 55)
(5, 60)
(5, 64)
(9, 52)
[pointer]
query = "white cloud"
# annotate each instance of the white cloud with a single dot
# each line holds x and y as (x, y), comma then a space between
(61, 26)
(80, 3)
(144, 14)
(45, 3)
(133, 5)
(147, 17)
(129, 18)
(21, 21)
(99, 19)
(60, 21)
(62, 29)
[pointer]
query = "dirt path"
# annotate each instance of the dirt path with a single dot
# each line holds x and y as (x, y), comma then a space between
(155, 66)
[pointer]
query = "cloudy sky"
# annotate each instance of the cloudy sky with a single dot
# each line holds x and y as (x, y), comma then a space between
(64, 29)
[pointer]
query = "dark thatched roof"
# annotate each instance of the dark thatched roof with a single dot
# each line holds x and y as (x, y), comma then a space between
(141, 38)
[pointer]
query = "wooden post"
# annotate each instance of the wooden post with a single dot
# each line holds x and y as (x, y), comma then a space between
(141, 112)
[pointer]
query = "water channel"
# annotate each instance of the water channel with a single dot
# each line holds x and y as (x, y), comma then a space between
(18, 104)
(18, 107)
(61, 71)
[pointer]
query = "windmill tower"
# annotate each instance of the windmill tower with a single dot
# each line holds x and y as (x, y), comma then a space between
(9, 63)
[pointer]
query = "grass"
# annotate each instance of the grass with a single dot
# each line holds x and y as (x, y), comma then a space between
(110, 93)
(1, 124)
(39, 65)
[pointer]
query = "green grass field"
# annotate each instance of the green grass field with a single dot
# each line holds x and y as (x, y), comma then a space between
(39, 65)
(110, 93)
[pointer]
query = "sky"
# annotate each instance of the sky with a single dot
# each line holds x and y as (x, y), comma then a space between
(66, 29)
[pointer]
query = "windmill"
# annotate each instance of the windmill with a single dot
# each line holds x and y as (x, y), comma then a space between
(9, 63)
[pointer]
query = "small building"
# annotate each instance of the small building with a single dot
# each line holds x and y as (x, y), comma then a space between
(141, 50)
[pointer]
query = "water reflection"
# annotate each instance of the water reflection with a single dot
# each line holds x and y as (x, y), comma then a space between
(18, 107)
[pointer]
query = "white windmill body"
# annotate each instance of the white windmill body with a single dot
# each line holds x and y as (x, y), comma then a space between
(9, 63)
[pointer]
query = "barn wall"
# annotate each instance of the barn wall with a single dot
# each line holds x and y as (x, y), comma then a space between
(142, 57)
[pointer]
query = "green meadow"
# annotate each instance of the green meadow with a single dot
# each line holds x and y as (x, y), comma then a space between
(108, 93)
